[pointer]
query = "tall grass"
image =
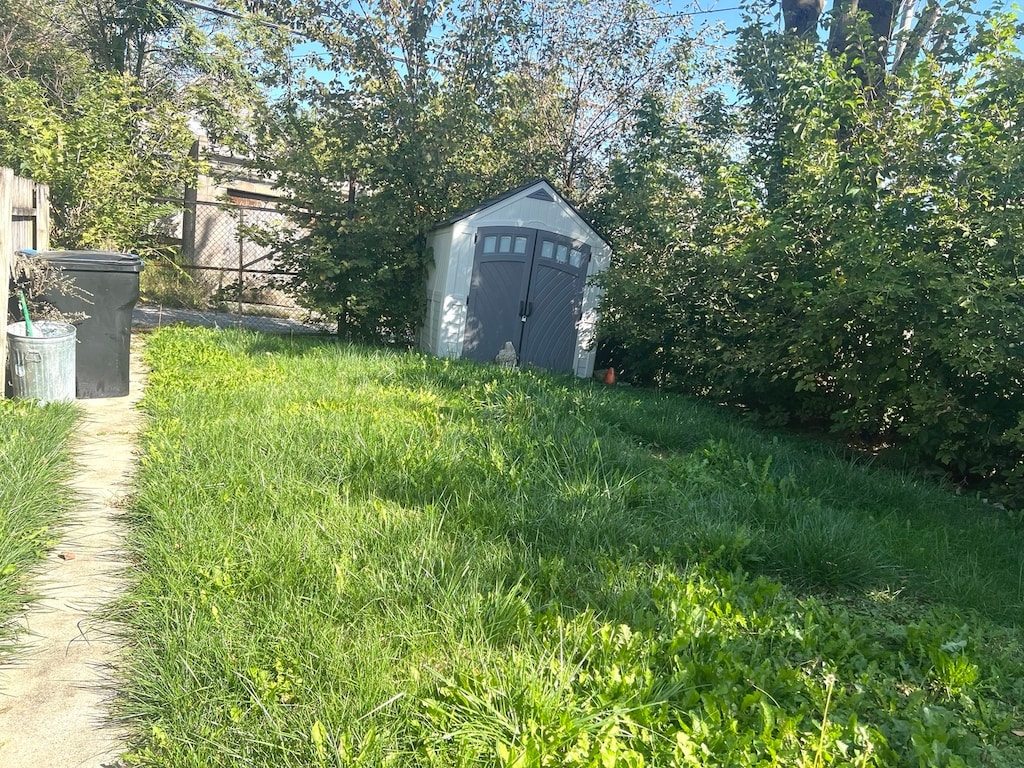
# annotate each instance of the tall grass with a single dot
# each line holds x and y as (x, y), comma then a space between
(35, 466)
(352, 557)
(165, 283)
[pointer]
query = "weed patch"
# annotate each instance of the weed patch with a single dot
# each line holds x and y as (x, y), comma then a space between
(35, 467)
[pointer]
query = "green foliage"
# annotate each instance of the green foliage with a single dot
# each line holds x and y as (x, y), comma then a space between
(96, 99)
(858, 269)
(401, 560)
(402, 134)
(428, 110)
(675, 207)
(123, 31)
(105, 156)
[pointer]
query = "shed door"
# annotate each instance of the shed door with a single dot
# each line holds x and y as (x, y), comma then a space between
(527, 288)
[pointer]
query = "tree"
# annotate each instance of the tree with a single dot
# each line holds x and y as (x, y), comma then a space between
(879, 37)
(429, 108)
(36, 43)
(897, 323)
(121, 35)
(854, 265)
(95, 100)
(674, 204)
(401, 112)
(591, 67)
(107, 156)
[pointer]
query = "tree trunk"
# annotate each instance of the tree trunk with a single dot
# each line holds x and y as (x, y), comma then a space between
(801, 16)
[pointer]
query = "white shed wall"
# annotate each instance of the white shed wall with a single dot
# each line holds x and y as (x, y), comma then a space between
(437, 277)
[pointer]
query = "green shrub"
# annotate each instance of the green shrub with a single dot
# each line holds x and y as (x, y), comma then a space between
(858, 271)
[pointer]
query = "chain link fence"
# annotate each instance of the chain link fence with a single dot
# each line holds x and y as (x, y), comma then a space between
(225, 273)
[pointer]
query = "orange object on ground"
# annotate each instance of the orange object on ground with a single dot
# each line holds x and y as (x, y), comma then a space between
(609, 376)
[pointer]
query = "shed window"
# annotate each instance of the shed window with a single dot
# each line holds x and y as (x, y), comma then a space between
(576, 257)
(506, 244)
(490, 244)
(547, 249)
(520, 245)
(562, 255)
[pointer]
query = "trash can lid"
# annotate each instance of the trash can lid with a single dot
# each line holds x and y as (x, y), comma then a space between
(93, 261)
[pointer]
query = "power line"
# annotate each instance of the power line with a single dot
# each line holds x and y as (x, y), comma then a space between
(232, 15)
(682, 14)
(216, 11)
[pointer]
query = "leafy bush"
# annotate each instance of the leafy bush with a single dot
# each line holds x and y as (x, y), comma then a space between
(107, 153)
(859, 269)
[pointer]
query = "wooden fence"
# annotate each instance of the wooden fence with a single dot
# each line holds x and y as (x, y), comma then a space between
(24, 223)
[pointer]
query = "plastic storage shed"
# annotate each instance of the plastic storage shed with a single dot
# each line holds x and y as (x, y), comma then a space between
(107, 287)
(516, 269)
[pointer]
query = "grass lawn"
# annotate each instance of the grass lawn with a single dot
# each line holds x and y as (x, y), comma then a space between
(352, 557)
(35, 466)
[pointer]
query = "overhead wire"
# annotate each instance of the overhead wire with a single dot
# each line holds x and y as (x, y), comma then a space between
(217, 11)
(241, 17)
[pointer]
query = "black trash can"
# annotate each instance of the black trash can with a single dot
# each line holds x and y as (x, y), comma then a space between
(106, 289)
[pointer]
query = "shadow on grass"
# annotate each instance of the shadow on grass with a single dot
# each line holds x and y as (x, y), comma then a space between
(619, 474)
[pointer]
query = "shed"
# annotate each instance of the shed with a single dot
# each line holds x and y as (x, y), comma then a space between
(516, 269)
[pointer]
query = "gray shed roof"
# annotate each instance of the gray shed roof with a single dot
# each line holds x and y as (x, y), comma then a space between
(512, 193)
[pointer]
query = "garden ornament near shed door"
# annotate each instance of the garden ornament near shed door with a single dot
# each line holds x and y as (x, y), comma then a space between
(507, 356)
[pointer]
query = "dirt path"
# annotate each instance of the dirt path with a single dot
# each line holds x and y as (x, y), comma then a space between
(53, 697)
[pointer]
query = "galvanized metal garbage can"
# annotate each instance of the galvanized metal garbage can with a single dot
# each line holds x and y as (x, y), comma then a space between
(42, 366)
